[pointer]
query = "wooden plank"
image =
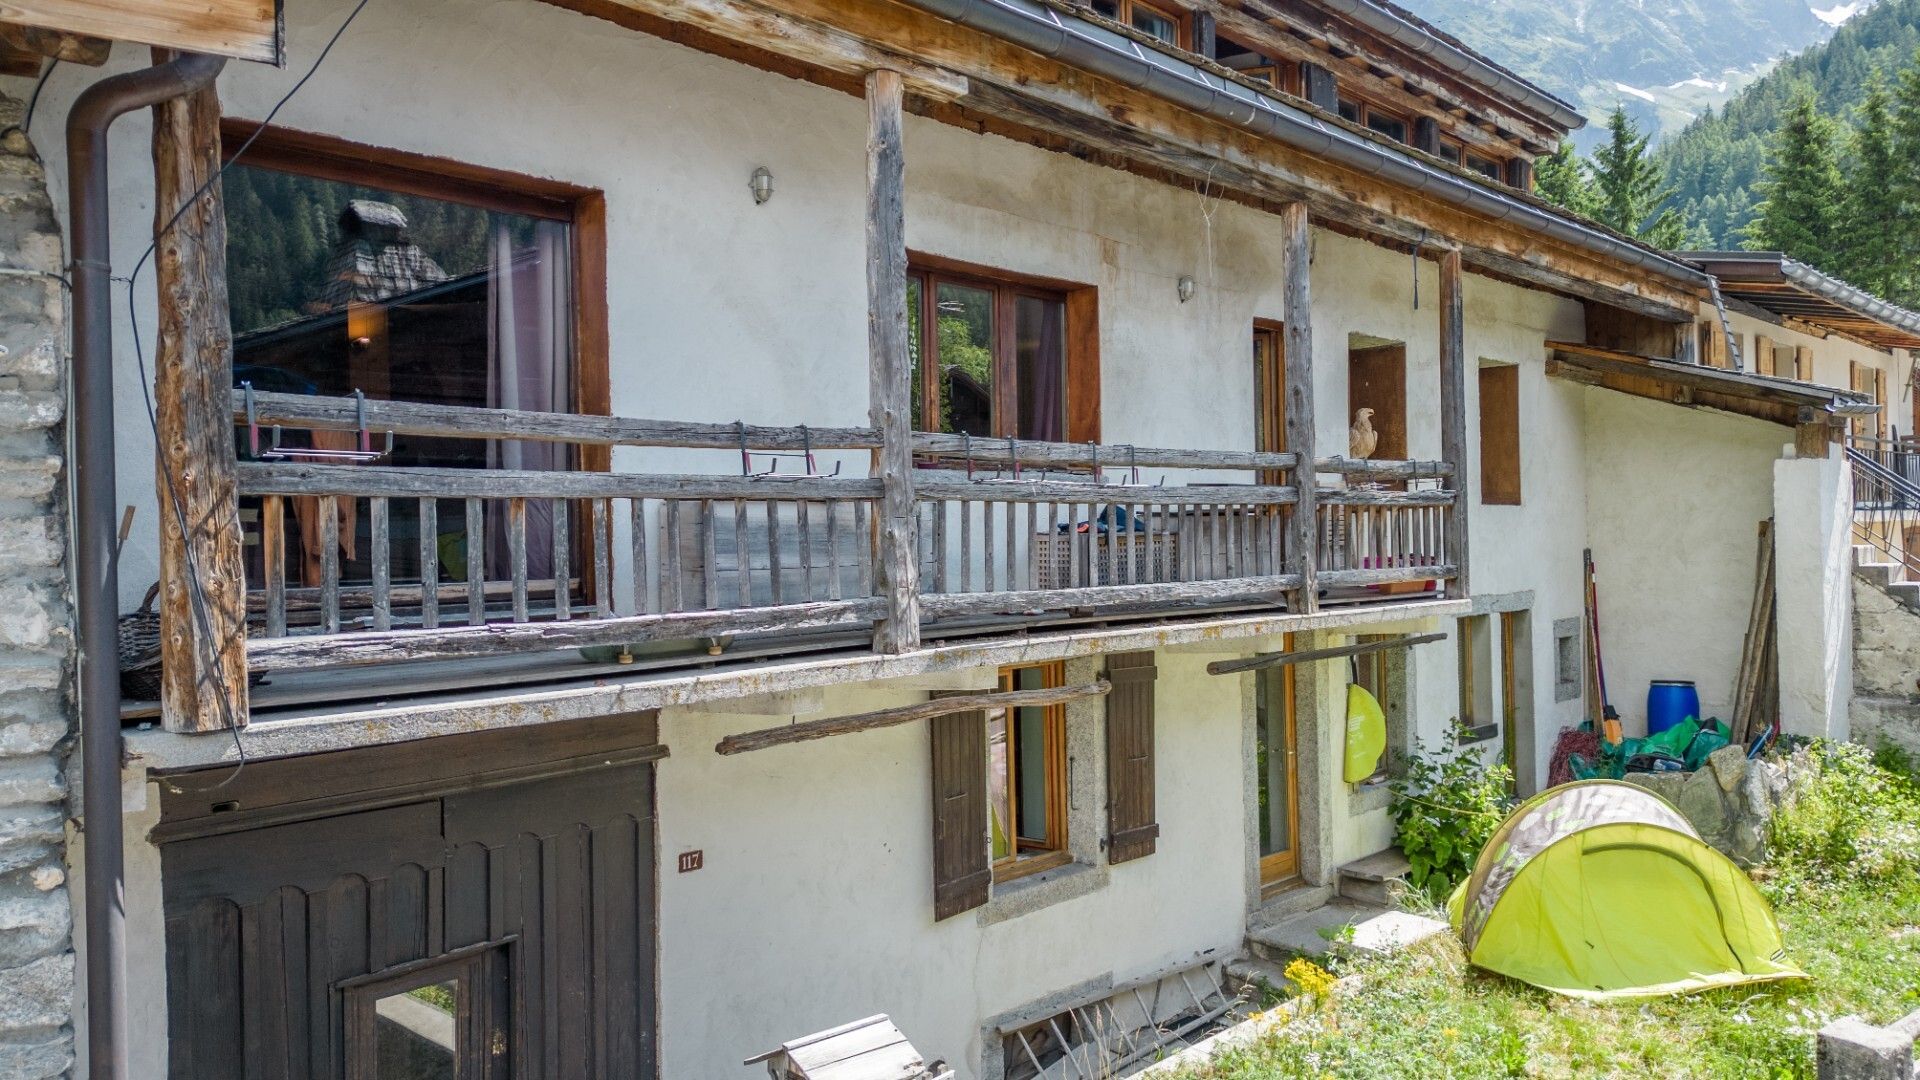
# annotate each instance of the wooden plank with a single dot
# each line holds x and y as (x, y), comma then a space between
(68, 48)
(1387, 575)
(242, 29)
(561, 556)
(603, 558)
(382, 556)
(1252, 590)
(466, 422)
(642, 602)
(429, 563)
(907, 714)
(897, 570)
(1297, 293)
(449, 643)
(273, 555)
(1376, 469)
(998, 452)
(1338, 652)
(1105, 494)
(263, 478)
(517, 555)
(1453, 410)
(203, 682)
(1363, 497)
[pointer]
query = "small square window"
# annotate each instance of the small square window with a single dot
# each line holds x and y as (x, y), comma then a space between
(430, 1020)
(1391, 126)
(1569, 659)
(1486, 167)
(1349, 111)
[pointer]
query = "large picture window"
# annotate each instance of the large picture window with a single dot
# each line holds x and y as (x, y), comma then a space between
(412, 279)
(990, 357)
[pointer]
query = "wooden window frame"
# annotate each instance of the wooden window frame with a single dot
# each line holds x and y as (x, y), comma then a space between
(1054, 850)
(1454, 152)
(1502, 457)
(1378, 668)
(1388, 115)
(584, 209)
(1499, 173)
(486, 1008)
(1281, 870)
(1082, 317)
(1181, 18)
(1468, 630)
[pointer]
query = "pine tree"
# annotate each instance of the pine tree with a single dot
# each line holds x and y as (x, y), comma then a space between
(1561, 178)
(1799, 213)
(1631, 186)
(1876, 235)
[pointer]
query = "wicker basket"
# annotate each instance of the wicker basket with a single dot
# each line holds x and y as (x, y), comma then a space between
(140, 650)
(1119, 558)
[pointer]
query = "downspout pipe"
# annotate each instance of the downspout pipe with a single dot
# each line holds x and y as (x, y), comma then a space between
(94, 497)
(1039, 28)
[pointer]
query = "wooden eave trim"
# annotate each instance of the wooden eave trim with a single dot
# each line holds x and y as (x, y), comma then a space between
(1338, 38)
(1277, 42)
(1761, 397)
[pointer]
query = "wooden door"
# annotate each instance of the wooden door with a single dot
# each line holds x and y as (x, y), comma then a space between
(424, 923)
(1277, 778)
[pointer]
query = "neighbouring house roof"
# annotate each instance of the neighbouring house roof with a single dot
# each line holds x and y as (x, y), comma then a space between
(1764, 397)
(1786, 287)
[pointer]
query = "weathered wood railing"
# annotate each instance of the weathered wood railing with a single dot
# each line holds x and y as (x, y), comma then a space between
(1076, 527)
(1385, 524)
(454, 562)
(623, 557)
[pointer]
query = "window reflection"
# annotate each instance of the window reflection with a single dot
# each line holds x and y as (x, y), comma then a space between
(417, 1032)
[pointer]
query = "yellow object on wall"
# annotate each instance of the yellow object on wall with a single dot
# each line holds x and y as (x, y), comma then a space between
(1366, 735)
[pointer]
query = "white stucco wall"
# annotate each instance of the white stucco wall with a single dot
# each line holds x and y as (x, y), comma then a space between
(1813, 500)
(1674, 502)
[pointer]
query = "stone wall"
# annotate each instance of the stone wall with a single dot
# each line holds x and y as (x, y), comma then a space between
(36, 637)
(1886, 667)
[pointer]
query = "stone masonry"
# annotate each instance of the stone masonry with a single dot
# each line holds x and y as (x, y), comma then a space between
(1886, 656)
(37, 716)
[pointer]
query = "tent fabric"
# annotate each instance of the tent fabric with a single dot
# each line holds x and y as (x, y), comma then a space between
(1602, 890)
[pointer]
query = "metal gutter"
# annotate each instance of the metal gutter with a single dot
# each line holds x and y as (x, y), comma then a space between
(95, 502)
(1418, 39)
(1035, 26)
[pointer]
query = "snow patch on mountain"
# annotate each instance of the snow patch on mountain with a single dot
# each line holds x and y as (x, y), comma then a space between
(1839, 13)
(1636, 92)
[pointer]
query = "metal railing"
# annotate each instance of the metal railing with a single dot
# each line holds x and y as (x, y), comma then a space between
(362, 560)
(1886, 498)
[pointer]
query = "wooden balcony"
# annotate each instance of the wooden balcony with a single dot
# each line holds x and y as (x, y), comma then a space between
(453, 563)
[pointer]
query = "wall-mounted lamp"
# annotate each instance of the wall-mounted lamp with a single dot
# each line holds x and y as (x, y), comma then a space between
(761, 184)
(1185, 288)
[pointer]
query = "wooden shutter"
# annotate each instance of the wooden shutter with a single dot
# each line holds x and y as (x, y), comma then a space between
(1880, 399)
(962, 862)
(1131, 828)
(1763, 355)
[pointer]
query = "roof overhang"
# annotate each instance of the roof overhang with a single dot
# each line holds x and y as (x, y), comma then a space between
(1771, 281)
(1763, 397)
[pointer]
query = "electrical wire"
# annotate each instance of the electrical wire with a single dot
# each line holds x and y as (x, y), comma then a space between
(25, 126)
(196, 589)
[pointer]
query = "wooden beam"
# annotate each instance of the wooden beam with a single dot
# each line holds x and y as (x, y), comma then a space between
(1337, 652)
(907, 714)
(1453, 411)
(1812, 440)
(242, 29)
(203, 605)
(889, 375)
(1297, 300)
(58, 44)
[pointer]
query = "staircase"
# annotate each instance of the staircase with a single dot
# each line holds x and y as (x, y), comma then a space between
(1359, 914)
(1886, 504)
(1872, 566)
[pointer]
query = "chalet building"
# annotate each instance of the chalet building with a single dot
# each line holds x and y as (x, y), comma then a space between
(667, 526)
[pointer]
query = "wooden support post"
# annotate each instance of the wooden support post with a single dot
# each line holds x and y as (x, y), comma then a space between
(1453, 413)
(947, 705)
(203, 608)
(897, 573)
(1303, 523)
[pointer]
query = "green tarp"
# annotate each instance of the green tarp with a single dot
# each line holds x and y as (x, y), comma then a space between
(1601, 890)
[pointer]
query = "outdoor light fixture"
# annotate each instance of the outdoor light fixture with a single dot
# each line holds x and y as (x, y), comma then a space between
(1185, 288)
(761, 183)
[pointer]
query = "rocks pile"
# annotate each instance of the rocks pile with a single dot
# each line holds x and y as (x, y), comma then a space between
(1730, 800)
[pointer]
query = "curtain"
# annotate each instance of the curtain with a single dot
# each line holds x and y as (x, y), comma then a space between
(530, 368)
(1043, 369)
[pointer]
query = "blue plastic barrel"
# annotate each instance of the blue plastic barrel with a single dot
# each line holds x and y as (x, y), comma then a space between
(1670, 701)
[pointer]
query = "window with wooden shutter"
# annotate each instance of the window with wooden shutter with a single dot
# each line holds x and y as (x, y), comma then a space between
(962, 870)
(1131, 827)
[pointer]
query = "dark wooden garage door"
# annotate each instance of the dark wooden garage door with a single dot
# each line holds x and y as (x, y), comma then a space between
(469, 906)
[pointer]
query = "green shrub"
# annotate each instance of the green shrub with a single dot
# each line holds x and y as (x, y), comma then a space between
(1445, 809)
(1850, 819)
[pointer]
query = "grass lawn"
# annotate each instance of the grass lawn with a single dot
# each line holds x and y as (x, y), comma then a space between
(1426, 1014)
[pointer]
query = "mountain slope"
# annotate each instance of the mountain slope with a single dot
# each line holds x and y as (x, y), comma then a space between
(1715, 162)
(1664, 62)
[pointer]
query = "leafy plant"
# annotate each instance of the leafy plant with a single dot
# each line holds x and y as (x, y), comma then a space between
(1851, 820)
(1445, 808)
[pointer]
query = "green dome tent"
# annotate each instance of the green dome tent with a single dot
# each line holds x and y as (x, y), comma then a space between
(1601, 890)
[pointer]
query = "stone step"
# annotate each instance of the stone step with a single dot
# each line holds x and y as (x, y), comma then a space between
(1379, 879)
(1342, 926)
(1256, 982)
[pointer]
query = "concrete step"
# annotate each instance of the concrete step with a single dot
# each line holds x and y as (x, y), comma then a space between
(1379, 879)
(1257, 983)
(1342, 926)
